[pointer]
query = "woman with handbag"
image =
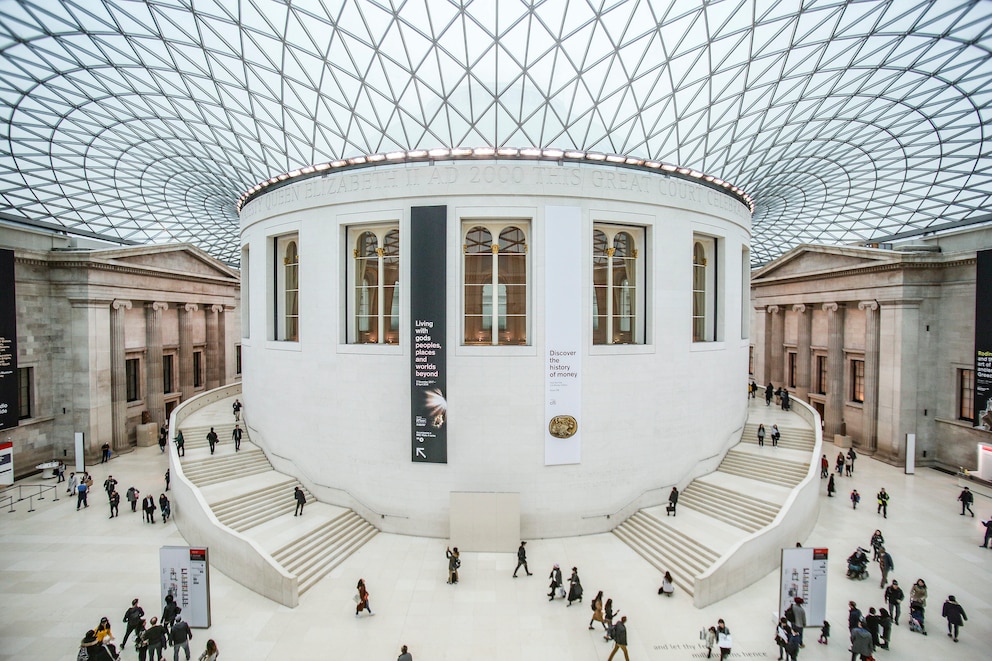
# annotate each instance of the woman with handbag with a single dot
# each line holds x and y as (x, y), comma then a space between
(362, 599)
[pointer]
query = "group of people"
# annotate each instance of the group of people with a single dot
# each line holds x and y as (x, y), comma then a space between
(557, 586)
(151, 638)
(780, 394)
(776, 435)
(844, 465)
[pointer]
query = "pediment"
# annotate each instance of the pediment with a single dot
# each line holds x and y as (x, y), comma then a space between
(182, 258)
(809, 260)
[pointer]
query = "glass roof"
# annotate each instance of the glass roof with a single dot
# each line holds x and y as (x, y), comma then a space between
(844, 120)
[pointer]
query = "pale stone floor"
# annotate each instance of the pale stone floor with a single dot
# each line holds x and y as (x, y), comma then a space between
(61, 570)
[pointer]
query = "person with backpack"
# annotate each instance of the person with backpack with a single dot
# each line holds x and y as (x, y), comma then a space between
(133, 618)
(796, 615)
(454, 562)
(179, 637)
(170, 612)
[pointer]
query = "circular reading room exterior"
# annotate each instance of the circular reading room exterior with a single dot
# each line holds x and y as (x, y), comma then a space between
(529, 344)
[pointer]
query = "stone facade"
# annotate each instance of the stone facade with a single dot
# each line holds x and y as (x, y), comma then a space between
(84, 312)
(876, 340)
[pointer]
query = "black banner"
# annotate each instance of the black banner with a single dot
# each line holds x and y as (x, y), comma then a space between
(428, 314)
(983, 340)
(8, 342)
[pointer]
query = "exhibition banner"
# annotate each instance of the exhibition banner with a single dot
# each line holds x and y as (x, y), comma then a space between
(428, 325)
(185, 574)
(7, 463)
(983, 341)
(563, 335)
(8, 342)
(804, 575)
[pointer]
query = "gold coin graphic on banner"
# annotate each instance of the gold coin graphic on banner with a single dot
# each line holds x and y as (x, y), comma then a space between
(563, 426)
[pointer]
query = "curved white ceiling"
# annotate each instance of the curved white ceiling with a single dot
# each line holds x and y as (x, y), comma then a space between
(844, 120)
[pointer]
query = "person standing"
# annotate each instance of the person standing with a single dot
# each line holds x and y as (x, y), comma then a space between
(363, 599)
(180, 444)
(955, 616)
(155, 635)
(60, 473)
(840, 464)
(761, 436)
(776, 434)
(81, 492)
(179, 637)
(211, 653)
(853, 615)
(877, 542)
(966, 498)
(893, 597)
(711, 641)
(752, 389)
(855, 498)
(620, 639)
(861, 644)
(168, 478)
(71, 487)
(109, 485)
(831, 488)
(988, 533)
(782, 631)
(132, 497)
(212, 439)
(885, 565)
(824, 467)
(556, 581)
(673, 501)
(597, 612)
(165, 506)
(798, 618)
(883, 503)
(574, 587)
(785, 400)
(301, 500)
(885, 624)
(105, 453)
(237, 410)
(851, 456)
(723, 639)
(871, 625)
(236, 436)
(404, 655)
(133, 618)
(148, 507)
(115, 501)
(163, 439)
(522, 560)
(455, 561)
(769, 391)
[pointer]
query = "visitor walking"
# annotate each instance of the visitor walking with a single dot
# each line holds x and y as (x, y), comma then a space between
(236, 407)
(851, 456)
(522, 560)
(769, 391)
(556, 582)
(824, 467)
(148, 507)
(362, 599)
(955, 616)
(179, 638)
(115, 501)
(180, 444)
(133, 618)
(455, 562)
(165, 506)
(831, 488)
(620, 639)
(861, 644)
(855, 498)
(776, 434)
(212, 439)
(761, 435)
(884, 565)
(236, 437)
(797, 618)
(883, 503)
(893, 597)
(597, 612)
(988, 533)
(966, 498)
(840, 464)
(574, 587)
(168, 478)
(723, 639)
(210, 653)
(877, 542)
(301, 500)
(404, 654)
(81, 492)
(132, 497)
(673, 502)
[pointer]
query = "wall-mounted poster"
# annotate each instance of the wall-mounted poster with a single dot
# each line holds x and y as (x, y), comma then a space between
(8, 342)
(983, 341)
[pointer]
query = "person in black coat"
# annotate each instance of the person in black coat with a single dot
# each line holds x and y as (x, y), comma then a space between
(574, 587)
(521, 560)
(556, 582)
(955, 617)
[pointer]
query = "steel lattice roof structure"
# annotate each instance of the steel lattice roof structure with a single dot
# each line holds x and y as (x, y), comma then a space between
(844, 121)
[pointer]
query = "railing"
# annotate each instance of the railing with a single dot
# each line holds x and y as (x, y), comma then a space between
(8, 500)
(753, 557)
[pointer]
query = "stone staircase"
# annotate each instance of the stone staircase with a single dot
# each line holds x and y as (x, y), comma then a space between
(313, 556)
(260, 507)
(666, 548)
(741, 497)
(738, 509)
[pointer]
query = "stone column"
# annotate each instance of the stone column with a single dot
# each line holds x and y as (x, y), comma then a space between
(833, 415)
(84, 390)
(211, 349)
(186, 349)
(221, 344)
(777, 357)
(154, 387)
(803, 357)
(118, 375)
(869, 417)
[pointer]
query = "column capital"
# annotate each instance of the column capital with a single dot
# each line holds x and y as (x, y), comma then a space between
(830, 307)
(191, 307)
(868, 305)
(772, 309)
(217, 308)
(119, 304)
(800, 307)
(157, 306)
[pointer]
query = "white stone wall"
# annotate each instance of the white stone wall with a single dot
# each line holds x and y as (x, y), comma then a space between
(340, 414)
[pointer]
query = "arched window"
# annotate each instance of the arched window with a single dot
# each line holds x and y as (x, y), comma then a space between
(375, 284)
(617, 300)
(495, 284)
(704, 289)
(287, 291)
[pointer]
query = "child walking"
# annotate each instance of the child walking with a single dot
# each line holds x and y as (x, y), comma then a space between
(824, 633)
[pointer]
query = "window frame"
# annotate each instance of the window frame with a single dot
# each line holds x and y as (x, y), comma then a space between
(966, 394)
(705, 288)
(25, 392)
(857, 380)
(285, 307)
(168, 373)
(388, 323)
(198, 380)
(613, 332)
(822, 373)
(500, 315)
(132, 379)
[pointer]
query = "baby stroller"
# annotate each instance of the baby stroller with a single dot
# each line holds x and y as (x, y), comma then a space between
(916, 616)
(857, 565)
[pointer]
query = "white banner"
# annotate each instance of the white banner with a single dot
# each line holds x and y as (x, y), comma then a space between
(804, 575)
(185, 574)
(563, 324)
(6, 463)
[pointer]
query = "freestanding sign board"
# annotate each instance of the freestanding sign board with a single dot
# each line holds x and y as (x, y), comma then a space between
(428, 312)
(804, 575)
(185, 574)
(8, 342)
(7, 463)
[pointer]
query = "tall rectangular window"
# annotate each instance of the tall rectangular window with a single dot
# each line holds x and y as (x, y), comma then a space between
(287, 288)
(966, 395)
(617, 295)
(245, 292)
(821, 375)
(496, 294)
(704, 289)
(858, 380)
(792, 369)
(745, 293)
(25, 392)
(197, 369)
(168, 367)
(132, 374)
(237, 359)
(374, 285)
